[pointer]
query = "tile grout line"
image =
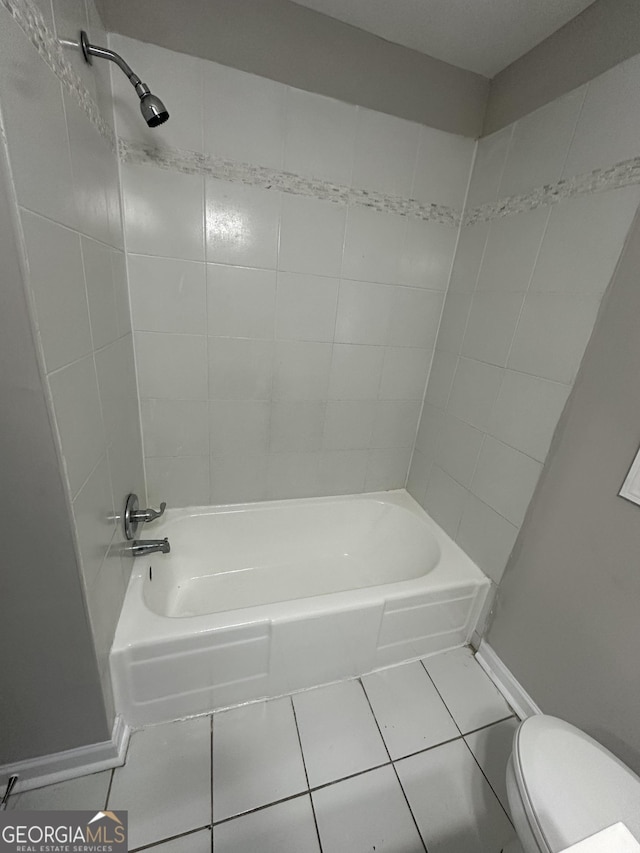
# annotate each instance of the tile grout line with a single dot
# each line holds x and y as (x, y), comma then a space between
(462, 737)
(211, 776)
(171, 838)
(406, 799)
(110, 785)
(306, 775)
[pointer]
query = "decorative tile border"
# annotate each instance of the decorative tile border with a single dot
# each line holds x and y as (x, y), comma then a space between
(624, 174)
(30, 20)
(196, 163)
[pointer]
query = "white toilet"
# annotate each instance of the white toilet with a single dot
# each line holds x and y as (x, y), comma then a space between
(563, 786)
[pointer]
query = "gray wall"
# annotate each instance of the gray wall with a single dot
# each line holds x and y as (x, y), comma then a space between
(606, 33)
(51, 698)
(300, 47)
(568, 605)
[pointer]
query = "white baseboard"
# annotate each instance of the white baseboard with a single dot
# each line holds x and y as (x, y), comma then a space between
(506, 682)
(60, 766)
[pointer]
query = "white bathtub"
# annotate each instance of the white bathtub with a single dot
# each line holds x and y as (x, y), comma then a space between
(257, 600)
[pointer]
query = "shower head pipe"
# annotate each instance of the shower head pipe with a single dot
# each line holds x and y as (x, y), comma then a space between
(153, 110)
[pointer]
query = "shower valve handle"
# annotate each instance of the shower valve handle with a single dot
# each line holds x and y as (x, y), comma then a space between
(132, 516)
(144, 515)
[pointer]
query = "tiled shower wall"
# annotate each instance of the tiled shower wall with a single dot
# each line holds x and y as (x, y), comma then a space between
(524, 293)
(283, 341)
(65, 177)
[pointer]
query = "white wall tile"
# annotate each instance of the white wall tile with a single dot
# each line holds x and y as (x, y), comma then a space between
(239, 426)
(474, 391)
(385, 153)
(171, 367)
(444, 500)
(415, 317)
(526, 412)
(41, 173)
(56, 279)
(76, 403)
(306, 307)
(609, 124)
(540, 144)
(238, 478)
(241, 302)
(240, 369)
(349, 424)
(373, 246)
(395, 424)
(454, 322)
(117, 385)
(242, 224)
(443, 369)
(511, 251)
(244, 116)
(364, 313)
(178, 480)
(355, 372)
(167, 295)
(292, 475)
(505, 479)
(469, 252)
(94, 175)
(387, 469)
(175, 427)
(296, 425)
(342, 472)
(583, 242)
(94, 516)
(164, 212)
(121, 285)
(302, 370)
(489, 163)
(442, 167)
(427, 255)
(103, 311)
(552, 334)
(458, 446)
(418, 476)
(320, 136)
(404, 374)
(486, 536)
(492, 323)
(176, 78)
(311, 235)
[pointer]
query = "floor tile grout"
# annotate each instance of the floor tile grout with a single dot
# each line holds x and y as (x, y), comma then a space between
(171, 838)
(395, 771)
(306, 775)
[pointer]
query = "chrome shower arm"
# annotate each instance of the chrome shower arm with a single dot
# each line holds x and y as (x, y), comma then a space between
(153, 110)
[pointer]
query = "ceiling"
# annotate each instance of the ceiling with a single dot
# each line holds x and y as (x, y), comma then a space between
(480, 35)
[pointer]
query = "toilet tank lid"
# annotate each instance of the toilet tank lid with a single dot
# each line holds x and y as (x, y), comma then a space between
(571, 786)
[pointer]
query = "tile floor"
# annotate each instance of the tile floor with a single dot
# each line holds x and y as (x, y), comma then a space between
(408, 759)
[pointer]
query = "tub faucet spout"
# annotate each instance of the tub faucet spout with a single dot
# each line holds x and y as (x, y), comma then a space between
(150, 546)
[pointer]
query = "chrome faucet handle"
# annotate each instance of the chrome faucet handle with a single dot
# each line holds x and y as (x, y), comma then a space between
(146, 515)
(133, 516)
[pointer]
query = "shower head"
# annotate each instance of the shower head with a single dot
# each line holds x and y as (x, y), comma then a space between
(153, 110)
